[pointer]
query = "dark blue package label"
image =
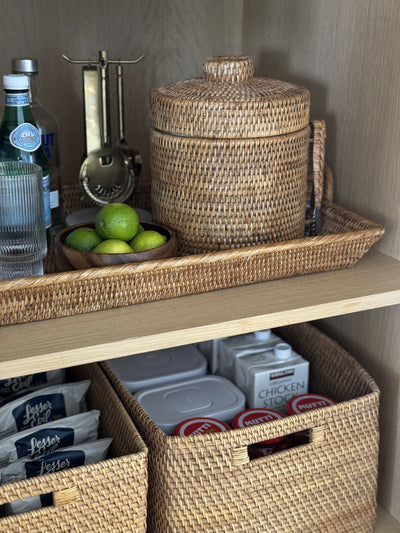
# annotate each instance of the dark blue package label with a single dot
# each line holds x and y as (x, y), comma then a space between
(44, 441)
(39, 410)
(54, 462)
(12, 386)
(46, 499)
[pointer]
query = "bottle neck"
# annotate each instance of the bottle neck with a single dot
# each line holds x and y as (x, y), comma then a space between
(16, 99)
(17, 109)
(33, 89)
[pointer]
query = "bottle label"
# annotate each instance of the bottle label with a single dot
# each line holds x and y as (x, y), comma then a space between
(54, 199)
(47, 205)
(17, 99)
(48, 143)
(26, 137)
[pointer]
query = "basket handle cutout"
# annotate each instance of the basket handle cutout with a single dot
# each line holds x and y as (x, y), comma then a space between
(261, 450)
(59, 498)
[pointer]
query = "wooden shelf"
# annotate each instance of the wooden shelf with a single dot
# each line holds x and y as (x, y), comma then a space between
(385, 523)
(374, 282)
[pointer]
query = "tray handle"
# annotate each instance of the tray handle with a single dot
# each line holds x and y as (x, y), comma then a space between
(316, 174)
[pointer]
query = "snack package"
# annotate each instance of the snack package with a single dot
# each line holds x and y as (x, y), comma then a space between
(36, 442)
(28, 504)
(12, 388)
(42, 406)
(69, 457)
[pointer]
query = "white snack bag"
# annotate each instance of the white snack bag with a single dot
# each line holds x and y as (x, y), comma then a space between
(36, 442)
(42, 406)
(69, 457)
(28, 504)
(12, 388)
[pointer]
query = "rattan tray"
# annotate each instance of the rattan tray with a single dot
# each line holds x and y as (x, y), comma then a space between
(345, 237)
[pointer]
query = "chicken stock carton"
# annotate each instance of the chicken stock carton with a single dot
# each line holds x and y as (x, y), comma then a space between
(232, 348)
(272, 377)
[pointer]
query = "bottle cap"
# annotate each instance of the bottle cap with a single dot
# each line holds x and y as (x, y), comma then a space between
(262, 335)
(195, 426)
(282, 351)
(257, 415)
(16, 82)
(24, 66)
(307, 402)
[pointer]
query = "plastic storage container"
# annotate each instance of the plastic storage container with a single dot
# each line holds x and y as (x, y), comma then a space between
(270, 378)
(210, 350)
(231, 348)
(207, 396)
(155, 368)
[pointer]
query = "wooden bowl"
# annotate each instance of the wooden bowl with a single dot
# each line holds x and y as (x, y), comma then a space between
(69, 259)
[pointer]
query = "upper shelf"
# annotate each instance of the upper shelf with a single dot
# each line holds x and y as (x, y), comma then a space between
(34, 347)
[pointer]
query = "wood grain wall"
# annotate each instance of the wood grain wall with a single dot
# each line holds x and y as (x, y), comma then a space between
(348, 54)
(174, 35)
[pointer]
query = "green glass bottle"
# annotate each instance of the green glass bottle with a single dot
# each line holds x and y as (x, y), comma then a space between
(47, 124)
(20, 139)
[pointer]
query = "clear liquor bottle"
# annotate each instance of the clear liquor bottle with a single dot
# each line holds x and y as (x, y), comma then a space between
(20, 139)
(48, 127)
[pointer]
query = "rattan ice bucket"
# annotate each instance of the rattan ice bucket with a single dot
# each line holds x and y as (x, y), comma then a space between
(229, 156)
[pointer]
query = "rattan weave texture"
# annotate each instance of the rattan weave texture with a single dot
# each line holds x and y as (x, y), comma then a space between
(229, 102)
(229, 157)
(207, 483)
(110, 496)
(345, 238)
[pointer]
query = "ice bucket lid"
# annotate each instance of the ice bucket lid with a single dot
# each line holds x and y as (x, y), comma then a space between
(229, 102)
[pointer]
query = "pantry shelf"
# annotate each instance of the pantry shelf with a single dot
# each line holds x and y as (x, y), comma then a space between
(385, 523)
(63, 342)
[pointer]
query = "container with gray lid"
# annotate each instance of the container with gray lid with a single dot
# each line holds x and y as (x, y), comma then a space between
(155, 368)
(208, 396)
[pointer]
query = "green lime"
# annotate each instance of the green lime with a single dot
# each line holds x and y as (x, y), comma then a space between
(147, 240)
(83, 239)
(113, 246)
(117, 221)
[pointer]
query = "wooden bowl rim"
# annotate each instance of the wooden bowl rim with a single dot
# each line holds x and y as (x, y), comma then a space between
(62, 234)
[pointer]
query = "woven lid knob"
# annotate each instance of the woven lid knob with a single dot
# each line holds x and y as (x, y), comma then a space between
(228, 69)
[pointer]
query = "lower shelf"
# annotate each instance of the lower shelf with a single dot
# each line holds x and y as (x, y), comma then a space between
(385, 523)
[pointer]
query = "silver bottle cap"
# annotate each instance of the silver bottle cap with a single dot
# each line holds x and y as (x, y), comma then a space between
(25, 66)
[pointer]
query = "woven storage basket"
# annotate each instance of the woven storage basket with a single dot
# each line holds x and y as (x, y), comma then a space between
(207, 482)
(229, 156)
(107, 496)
